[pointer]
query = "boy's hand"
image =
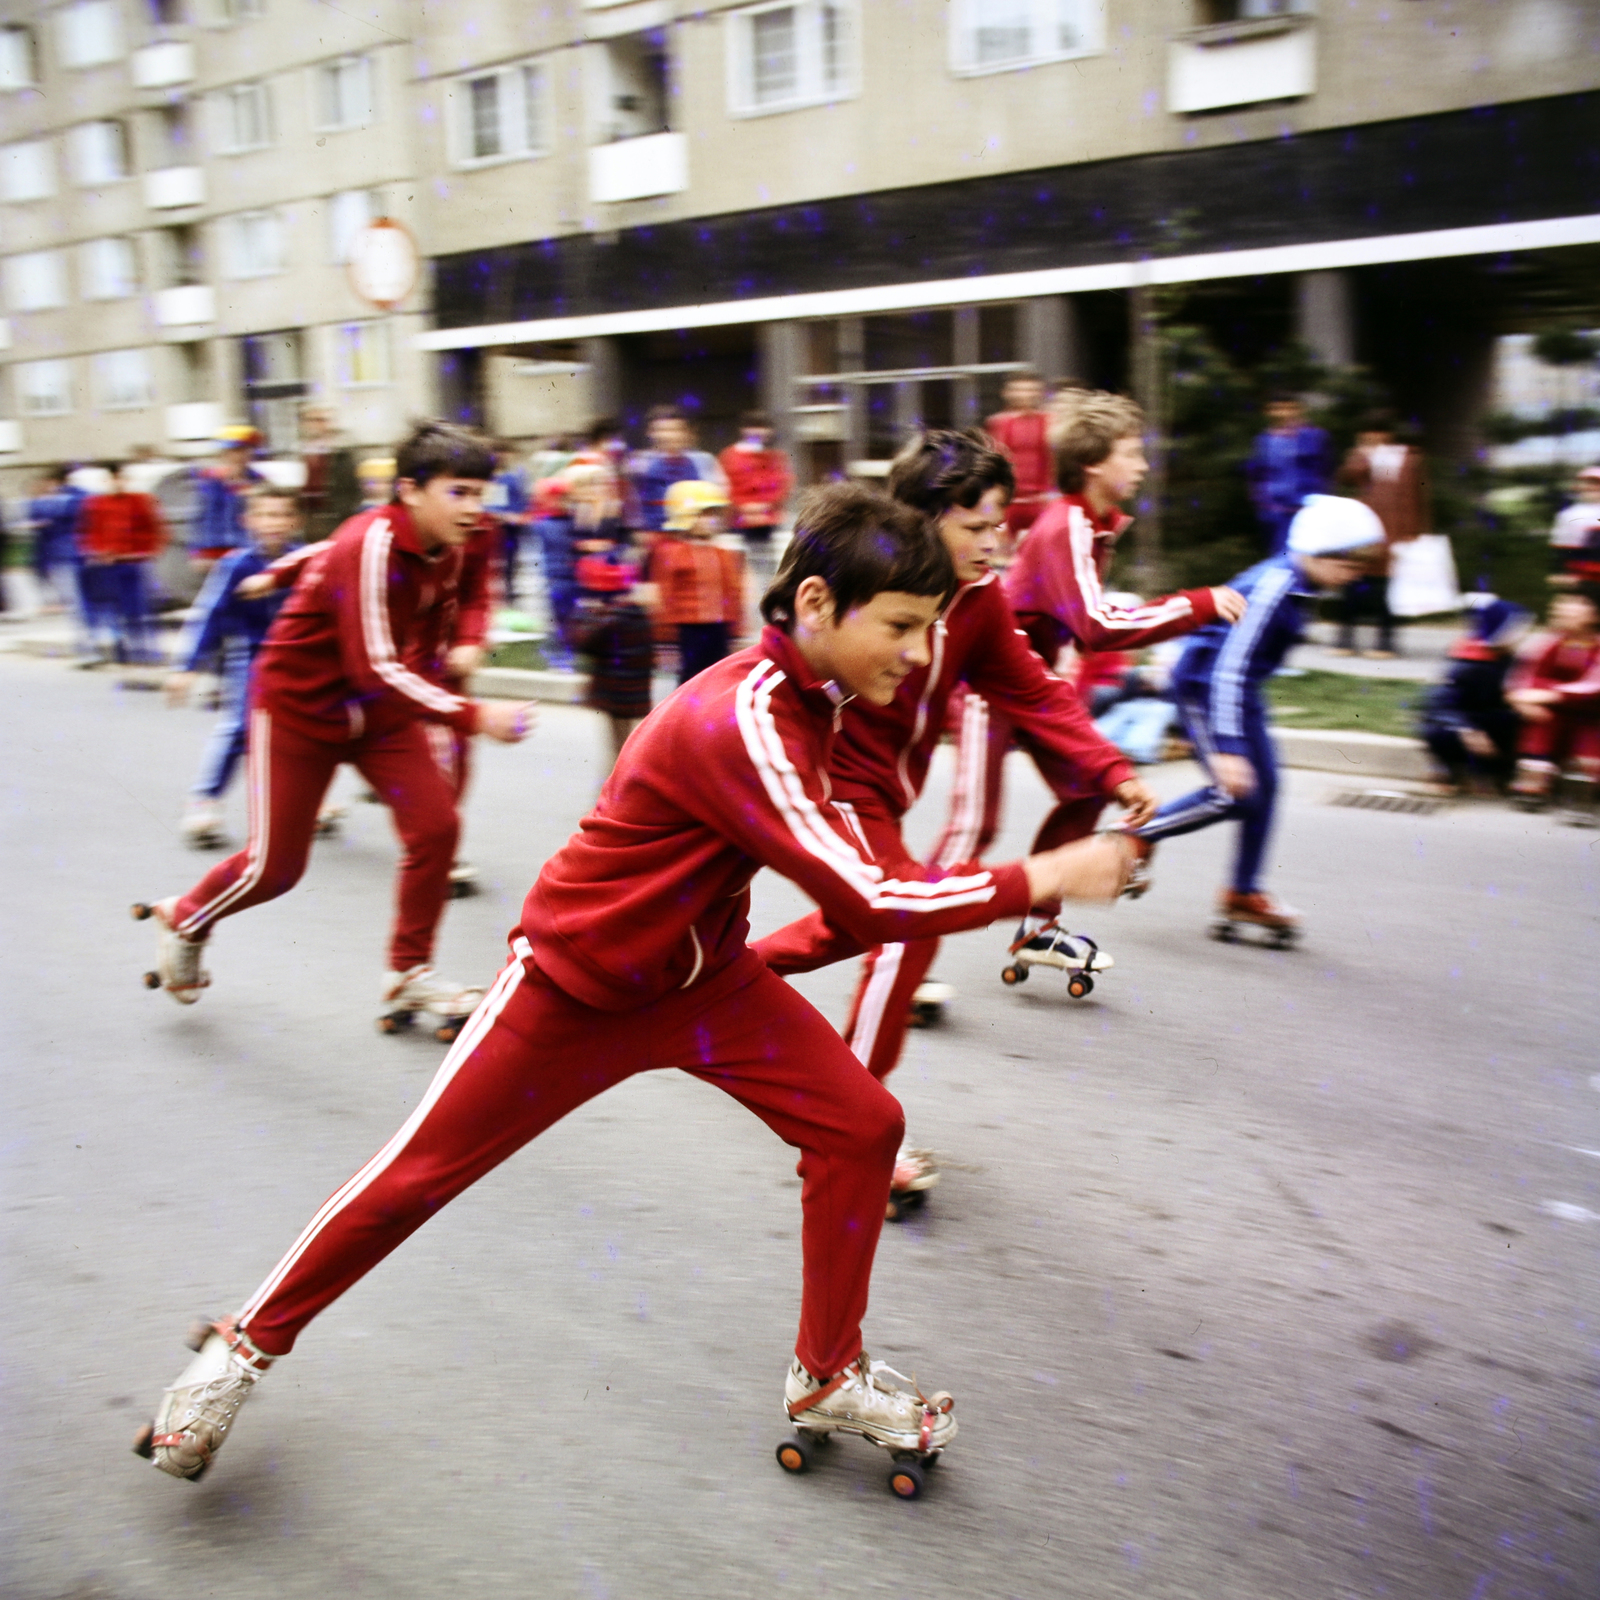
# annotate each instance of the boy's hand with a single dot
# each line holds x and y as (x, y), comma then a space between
(463, 660)
(1139, 801)
(177, 687)
(256, 587)
(1230, 603)
(1088, 869)
(507, 721)
(1234, 773)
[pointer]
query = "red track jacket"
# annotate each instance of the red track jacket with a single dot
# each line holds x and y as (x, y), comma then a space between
(1024, 437)
(883, 751)
(1054, 588)
(729, 775)
(368, 605)
(1569, 666)
(121, 527)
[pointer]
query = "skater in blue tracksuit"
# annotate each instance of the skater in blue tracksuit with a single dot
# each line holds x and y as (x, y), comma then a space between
(226, 629)
(1218, 680)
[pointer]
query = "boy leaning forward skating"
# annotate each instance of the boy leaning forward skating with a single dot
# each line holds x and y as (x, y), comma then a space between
(631, 955)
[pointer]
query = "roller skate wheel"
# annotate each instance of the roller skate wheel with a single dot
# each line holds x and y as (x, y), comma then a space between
(140, 912)
(463, 888)
(795, 1454)
(142, 1446)
(152, 980)
(198, 1332)
(906, 1478)
(1224, 932)
(1285, 938)
(394, 1022)
(449, 1031)
(1013, 975)
(1080, 985)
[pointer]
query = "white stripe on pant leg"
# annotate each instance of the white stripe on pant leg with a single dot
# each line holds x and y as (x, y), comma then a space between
(477, 1026)
(260, 824)
(444, 750)
(972, 772)
(869, 1017)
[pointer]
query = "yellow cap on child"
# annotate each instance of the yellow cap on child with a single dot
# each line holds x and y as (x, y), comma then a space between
(687, 499)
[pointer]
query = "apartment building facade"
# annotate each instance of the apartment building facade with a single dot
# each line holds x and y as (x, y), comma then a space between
(179, 187)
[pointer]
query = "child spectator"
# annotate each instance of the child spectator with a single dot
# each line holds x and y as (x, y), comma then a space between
(614, 631)
(54, 511)
(376, 475)
(119, 534)
(701, 584)
(670, 459)
(1021, 430)
(224, 632)
(1289, 460)
(1575, 535)
(221, 487)
(507, 503)
(759, 485)
(1554, 687)
(1466, 722)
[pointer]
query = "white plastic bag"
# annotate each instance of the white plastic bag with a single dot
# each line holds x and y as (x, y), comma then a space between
(1422, 577)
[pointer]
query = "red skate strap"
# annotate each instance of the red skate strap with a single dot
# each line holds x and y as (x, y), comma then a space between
(173, 1440)
(797, 1407)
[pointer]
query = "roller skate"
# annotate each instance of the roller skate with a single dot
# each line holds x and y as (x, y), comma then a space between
(1530, 789)
(445, 1005)
(178, 968)
(915, 1173)
(198, 1410)
(1042, 943)
(201, 828)
(1140, 874)
(914, 1428)
(1273, 922)
(928, 1003)
(330, 820)
(463, 880)
(1578, 794)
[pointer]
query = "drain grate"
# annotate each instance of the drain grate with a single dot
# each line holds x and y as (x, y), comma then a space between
(1417, 805)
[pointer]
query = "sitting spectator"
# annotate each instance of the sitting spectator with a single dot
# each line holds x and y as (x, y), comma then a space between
(1554, 687)
(701, 584)
(1466, 723)
(1575, 535)
(1138, 716)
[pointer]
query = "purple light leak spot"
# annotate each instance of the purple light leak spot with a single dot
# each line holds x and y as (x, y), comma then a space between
(1481, 1587)
(1131, 1551)
(1424, 1496)
(1152, 102)
(441, 189)
(429, 113)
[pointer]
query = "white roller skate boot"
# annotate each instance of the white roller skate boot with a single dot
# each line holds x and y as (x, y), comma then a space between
(928, 1001)
(330, 819)
(445, 1003)
(197, 1411)
(1041, 943)
(914, 1428)
(915, 1173)
(201, 827)
(178, 968)
(463, 880)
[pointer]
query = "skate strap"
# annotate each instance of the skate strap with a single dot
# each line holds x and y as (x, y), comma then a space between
(173, 1441)
(799, 1407)
(242, 1346)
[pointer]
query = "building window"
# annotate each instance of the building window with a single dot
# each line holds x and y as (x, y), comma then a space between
(1214, 11)
(108, 269)
(88, 34)
(784, 56)
(348, 213)
(97, 153)
(26, 171)
(123, 381)
(636, 98)
(253, 244)
(243, 118)
(362, 359)
(37, 281)
(44, 388)
(222, 13)
(19, 57)
(999, 35)
(499, 115)
(342, 93)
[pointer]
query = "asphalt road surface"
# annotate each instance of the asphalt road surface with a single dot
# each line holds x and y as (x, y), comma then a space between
(1255, 1275)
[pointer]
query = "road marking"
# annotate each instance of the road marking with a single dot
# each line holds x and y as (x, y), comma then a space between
(1569, 1212)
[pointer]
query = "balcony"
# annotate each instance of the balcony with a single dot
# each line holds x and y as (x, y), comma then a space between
(636, 169)
(1242, 63)
(173, 188)
(199, 419)
(163, 65)
(190, 305)
(5, 333)
(10, 438)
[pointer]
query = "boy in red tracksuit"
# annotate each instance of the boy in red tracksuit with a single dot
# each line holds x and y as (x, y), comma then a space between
(1023, 432)
(1054, 587)
(1554, 687)
(880, 761)
(119, 535)
(631, 955)
(337, 680)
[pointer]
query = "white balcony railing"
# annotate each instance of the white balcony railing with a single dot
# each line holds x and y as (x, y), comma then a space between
(187, 306)
(173, 187)
(199, 419)
(10, 438)
(635, 169)
(162, 65)
(1243, 63)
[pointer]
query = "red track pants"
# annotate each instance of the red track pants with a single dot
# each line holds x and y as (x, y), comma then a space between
(1567, 736)
(531, 1053)
(289, 775)
(881, 1010)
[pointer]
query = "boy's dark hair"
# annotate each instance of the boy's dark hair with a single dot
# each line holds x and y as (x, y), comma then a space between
(860, 543)
(945, 467)
(601, 429)
(435, 449)
(59, 473)
(665, 414)
(273, 491)
(1378, 421)
(114, 467)
(754, 419)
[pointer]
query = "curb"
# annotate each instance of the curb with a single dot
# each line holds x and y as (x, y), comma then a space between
(519, 683)
(1358, 755)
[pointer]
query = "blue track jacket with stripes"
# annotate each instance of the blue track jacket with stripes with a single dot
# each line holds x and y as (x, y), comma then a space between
(1223, 667)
